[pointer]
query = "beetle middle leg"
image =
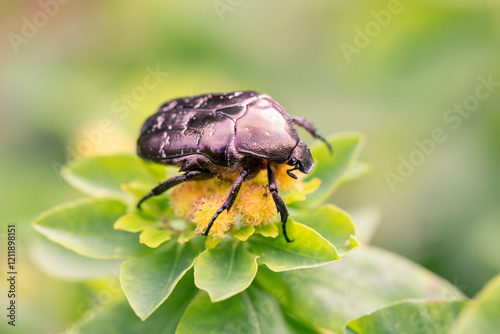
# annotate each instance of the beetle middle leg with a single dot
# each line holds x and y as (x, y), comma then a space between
(301, 121)
(280, 204)
(188, 176)
(233, 193)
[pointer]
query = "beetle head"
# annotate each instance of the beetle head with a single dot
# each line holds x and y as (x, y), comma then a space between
(301, 159)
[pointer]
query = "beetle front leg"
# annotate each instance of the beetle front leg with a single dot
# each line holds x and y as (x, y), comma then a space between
(301, 121)
(233, 193)
(280, 204)
(189, 176)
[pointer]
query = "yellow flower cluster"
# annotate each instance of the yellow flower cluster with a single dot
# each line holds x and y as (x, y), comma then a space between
(184, 195)
(203, 211)
(256, 205)
(199, 200)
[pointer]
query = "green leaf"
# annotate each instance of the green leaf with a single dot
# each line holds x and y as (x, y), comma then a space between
(225, 270)
(244, 233)
(355, 172)
(252, 311)
(367, 220)
(120, 318)
(186, 236)
(297, 195)
(296, 326)
(308, 249)
(103, 175)
(153, 233)
(134, 222)
(86, 227)
(268, 230)
(481, 314)
(365, 280)
(149, 280)
(409, 317)
(212, 242)
(154, 206)
(154, 237)
(60, 262)
(330, 167)
(334, 224)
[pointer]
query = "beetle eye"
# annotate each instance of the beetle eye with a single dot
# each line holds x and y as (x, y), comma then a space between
(292, 162)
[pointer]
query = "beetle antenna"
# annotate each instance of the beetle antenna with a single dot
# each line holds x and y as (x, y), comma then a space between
(301, 121)
(330, 148)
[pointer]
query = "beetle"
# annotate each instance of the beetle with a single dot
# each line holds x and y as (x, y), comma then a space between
(231, 136)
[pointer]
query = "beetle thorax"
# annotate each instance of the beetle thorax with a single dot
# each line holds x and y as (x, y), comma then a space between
(266, 131)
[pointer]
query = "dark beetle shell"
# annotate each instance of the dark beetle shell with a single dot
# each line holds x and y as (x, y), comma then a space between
(231, 136)
(180, 133)
(210, 125)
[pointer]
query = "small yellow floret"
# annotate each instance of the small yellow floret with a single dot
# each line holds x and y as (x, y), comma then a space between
(186, 194)
(203, 211)
(256, 205)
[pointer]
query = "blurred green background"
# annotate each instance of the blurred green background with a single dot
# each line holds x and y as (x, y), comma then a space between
(64, 68)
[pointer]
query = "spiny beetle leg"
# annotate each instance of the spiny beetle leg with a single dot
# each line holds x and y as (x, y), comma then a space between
(188, 176)
(233, 193)
(301, 121)
(280, 204)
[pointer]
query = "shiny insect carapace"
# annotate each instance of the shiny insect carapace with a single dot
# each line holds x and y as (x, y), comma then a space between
(231, 136)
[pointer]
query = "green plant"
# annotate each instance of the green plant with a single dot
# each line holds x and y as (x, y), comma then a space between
(245, 277)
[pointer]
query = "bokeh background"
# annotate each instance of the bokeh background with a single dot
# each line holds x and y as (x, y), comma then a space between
(66, 67)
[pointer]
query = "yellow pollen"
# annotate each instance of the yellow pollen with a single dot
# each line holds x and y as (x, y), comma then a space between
(185, 195)
(203, 211)
(256, 205)
(199, 200)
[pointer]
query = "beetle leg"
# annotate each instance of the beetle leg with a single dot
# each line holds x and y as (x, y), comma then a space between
(188, 176)
(229, 200)
(280, 204)
(301, 121)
